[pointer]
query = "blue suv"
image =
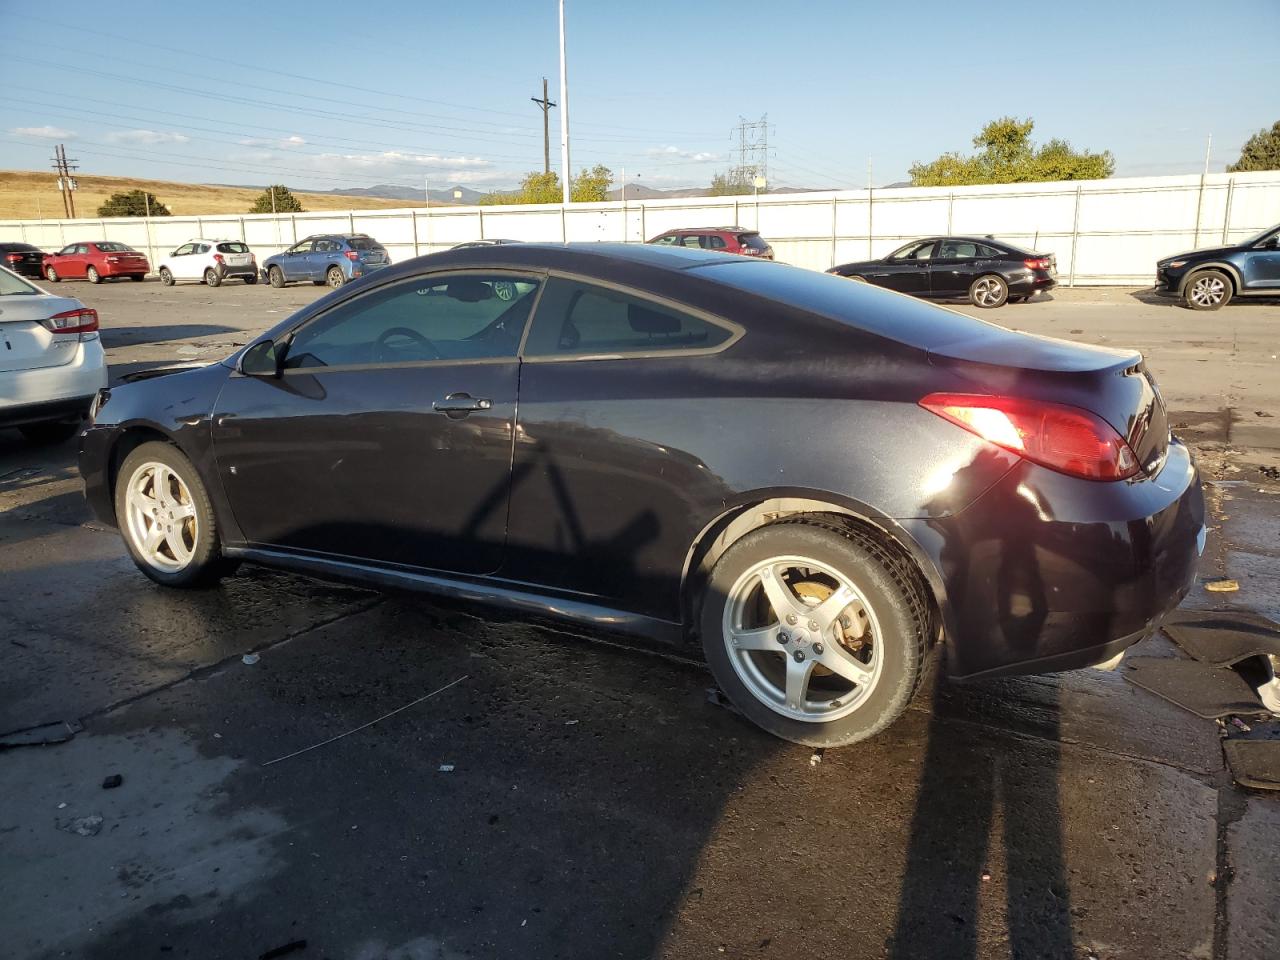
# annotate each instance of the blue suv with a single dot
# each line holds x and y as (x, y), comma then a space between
(1208, 279)
(332, 258)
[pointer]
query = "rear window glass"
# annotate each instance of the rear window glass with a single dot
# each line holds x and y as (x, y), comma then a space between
(363, 243)
(112, 247)
(753, 240)
(18, 248)
(232, 247)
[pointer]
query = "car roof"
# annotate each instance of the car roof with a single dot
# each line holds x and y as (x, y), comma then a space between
(710, 230)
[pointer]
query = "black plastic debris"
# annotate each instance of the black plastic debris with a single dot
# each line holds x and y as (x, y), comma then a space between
(1205, 690)
(1254, 763)
(113, 781)
(59, 732)
(290, 947)
(1223, 637)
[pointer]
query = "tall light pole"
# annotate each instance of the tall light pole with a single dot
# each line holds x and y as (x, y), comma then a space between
(564, 113)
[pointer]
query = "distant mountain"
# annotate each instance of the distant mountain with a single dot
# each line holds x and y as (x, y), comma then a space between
(638, 191)
(393, 191)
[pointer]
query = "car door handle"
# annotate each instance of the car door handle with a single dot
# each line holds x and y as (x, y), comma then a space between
(461, 403)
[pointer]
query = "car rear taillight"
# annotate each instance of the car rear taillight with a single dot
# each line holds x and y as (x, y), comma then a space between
(1062, 438)
(83, 320)
(13, 257)
(217, 257)
(352, 255)
(1036, 263)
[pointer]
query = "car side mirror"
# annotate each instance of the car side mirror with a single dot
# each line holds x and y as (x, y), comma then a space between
(261, 360)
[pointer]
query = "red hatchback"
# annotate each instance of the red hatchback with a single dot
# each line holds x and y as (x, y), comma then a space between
(95, 262)
(747, 243)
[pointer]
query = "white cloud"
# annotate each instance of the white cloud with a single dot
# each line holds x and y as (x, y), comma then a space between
(388, 165)
(44, 133)
(146, 137)
(284, 143)
(678, 153)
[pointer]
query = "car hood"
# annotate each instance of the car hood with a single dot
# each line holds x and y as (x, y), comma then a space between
(1203, 252)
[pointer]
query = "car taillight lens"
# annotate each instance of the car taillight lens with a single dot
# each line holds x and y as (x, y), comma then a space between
(1036, 263)
(1062, 438)
(352, 255)
(217, 258)
(13, 257)
(73, 321)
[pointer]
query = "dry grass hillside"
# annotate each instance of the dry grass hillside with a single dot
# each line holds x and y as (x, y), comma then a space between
(28, 195)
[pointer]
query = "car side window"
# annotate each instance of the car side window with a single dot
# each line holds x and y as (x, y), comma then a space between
(666, 240)
(303, 246)
(716, 242)
(958, 250)
(692, 240)
(918, 251)
(326, 246)
(81, 248)
(184, 250)
(68, 249)
(579, 319)
(202, 248)
(458, 317)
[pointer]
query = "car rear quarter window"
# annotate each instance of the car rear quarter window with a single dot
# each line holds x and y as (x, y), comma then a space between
(582, 320)
(457, 317)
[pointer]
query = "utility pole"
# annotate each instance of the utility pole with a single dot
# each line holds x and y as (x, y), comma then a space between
(564, 113)
(546, 105)
(66, 185)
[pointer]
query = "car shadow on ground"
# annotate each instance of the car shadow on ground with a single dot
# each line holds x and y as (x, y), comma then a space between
(117, 336)
(1149, 296)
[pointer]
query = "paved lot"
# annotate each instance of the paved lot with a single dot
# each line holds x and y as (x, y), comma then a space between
(598, 802)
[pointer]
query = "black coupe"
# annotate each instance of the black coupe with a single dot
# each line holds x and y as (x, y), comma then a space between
(987, 271)
(821, 481)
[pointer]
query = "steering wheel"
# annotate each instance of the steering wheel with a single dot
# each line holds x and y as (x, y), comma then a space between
(380, 345)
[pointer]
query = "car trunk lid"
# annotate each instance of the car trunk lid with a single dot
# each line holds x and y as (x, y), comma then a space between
(1114, 384)
(25, 344)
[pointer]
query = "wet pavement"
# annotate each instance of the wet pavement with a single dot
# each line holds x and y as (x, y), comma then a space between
(555, 794)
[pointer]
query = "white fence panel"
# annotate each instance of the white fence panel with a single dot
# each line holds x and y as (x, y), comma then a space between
(1102, 231)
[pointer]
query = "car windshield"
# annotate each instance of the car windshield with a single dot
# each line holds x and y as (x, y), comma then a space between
(11, 285)
(111, 247)
(363, 243)
(1258, 238)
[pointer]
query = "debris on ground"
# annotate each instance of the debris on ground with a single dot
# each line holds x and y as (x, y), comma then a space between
(816, 757)
(446, 768)
(717, 699)
(59, 732)
(89, 826)
(1271, 473)
(1240, 724)
(250, 659)
(280, 951)
(1222, 585)
(113, 781)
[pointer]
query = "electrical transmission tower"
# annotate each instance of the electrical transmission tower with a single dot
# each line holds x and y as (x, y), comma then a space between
(753, 149)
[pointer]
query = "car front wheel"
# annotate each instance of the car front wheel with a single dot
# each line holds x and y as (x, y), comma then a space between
(275, 276)
(1208, 290)
(166, 276)
(52, 275)
(166, 518)
(988, 291)
(816, 632)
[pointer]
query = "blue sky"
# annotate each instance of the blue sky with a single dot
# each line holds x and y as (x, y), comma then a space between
(321, 95)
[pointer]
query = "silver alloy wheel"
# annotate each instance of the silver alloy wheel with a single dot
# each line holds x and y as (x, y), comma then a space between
(1207, 291)
(988, 291)
(505, 289)
(334, 277)
(92, 275)
(161, 517)
(803, 639)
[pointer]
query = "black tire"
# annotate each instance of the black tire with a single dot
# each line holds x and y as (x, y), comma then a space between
(207, 565)
(166, 276)
(275, 277)
(892, 587)
(334, 277)
(49, 433)
(1207, 290)
(91, 274)
(212, 278)
(137, 277)
(250, 278)
(989, 291)
(52, 275)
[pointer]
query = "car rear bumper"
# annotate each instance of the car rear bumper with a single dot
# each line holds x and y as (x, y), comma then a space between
(79, 378)
(125, 269)
(69, 410)
(1045, 572)
(1031, 284)
(238, 270)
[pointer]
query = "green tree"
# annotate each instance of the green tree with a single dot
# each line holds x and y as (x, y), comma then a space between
(538, 187)
(1261, 151)
(592, 186)
(731, 184)
(285, 202)
(1007, 155)
(133, 203)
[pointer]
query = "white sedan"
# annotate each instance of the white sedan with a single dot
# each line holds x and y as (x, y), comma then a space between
(209, 262)
(52, 364)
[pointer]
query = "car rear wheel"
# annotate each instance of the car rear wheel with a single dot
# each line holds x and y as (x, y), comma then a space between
(166, 518)
(49, 433)
(275, 276)
(988, 291)
(1208, 290)
(52, 275)
(211, 278)
(816, 632)
(92, 276)
(334, 277)
(166, 276)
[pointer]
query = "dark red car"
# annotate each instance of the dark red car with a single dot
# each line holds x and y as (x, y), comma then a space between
(95, 261)
(748, 243)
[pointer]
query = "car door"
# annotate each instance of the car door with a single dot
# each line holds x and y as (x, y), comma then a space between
(954, 267)
(295, 261)
(906, 269)
(327, 253)
(387, 436)
(604, 493)
(185, 265)
(1262, 264)
(78, 263)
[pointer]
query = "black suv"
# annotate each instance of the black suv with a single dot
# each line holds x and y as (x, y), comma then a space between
(1208, 279)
